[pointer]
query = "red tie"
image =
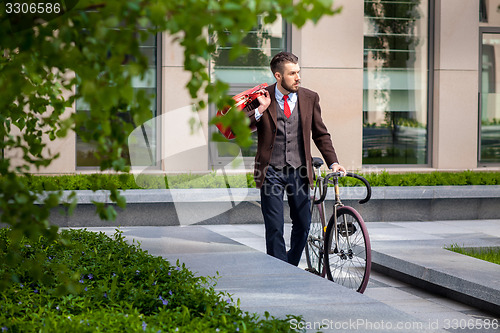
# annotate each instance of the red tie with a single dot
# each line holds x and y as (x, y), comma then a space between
(286, 106)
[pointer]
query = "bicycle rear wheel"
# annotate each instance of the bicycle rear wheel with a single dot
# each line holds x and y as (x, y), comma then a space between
(348, 261)
(314, 245)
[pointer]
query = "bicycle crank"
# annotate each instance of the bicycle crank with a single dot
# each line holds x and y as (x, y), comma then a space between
(344, 232)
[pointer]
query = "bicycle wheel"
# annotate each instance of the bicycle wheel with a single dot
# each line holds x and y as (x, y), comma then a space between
(349, 262)
(314, 245)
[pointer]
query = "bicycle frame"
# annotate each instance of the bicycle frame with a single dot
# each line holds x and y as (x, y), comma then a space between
(338, 203)
(318, 193)
(319, 189)
(332, 238)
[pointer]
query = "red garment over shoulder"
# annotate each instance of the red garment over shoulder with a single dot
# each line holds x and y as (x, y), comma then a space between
(247, 98)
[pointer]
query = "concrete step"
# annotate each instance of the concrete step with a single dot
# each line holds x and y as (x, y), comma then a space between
(242, 205)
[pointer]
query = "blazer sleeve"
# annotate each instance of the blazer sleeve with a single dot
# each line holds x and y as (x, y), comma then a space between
(250, 112)
(321, 136)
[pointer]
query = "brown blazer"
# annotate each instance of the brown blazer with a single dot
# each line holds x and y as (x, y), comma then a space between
(312, 126)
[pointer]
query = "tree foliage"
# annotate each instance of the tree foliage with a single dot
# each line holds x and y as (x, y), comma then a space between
(91, 53)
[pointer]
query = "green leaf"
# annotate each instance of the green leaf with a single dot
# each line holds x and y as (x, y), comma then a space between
(94, 57)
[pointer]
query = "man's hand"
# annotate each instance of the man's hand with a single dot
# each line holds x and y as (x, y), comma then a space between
(338, 168)
(264, 100)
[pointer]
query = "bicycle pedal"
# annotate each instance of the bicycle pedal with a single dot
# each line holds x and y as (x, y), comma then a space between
(312, 270)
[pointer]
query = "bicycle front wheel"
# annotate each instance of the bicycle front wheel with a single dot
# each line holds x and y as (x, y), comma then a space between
(348, 258)
(314, 245)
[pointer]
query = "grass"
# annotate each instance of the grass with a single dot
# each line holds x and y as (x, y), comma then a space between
(117, 288)
(490, 254)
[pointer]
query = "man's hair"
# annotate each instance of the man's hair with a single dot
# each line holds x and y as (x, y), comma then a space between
(280, 59)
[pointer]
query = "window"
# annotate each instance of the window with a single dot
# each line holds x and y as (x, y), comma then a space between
(264, 41)
(483, 12)
(489, 84)
(85, 151)
(489, 112)
(395, 84)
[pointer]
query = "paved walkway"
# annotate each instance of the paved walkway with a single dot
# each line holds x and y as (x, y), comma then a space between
(414, 249)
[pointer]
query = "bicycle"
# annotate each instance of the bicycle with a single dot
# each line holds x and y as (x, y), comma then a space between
(344, 239)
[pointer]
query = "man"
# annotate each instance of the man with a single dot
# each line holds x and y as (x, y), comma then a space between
(287, 118)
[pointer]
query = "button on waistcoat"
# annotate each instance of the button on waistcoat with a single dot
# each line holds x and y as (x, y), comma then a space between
(289, 143)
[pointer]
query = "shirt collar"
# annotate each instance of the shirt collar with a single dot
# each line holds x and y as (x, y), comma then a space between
(292, 97)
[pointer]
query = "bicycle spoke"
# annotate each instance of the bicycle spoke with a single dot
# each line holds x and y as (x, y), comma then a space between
(349, 270)
(314, 245)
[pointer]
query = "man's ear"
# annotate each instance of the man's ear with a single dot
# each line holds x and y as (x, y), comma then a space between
(277, 76)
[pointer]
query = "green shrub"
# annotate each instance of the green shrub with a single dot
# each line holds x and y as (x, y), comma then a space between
(435, 178)
(128, 181)
(118, 287)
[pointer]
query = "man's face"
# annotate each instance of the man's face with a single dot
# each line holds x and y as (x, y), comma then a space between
(289, 80)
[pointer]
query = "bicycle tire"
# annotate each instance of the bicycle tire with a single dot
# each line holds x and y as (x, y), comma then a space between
(314, 245)
(345, 266)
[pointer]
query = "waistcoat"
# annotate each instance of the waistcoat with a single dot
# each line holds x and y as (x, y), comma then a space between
(289, 143)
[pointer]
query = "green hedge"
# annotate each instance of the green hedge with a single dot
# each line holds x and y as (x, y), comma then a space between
(127, 181)
(435, 178)
(118, 288)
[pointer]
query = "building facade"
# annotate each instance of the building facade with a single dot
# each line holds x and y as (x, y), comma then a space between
(407, 85)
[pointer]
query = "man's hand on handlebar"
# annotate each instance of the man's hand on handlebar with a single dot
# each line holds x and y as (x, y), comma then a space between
(339, 168)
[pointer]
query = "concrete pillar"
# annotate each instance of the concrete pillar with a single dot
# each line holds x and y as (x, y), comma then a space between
(331, 59)
(455, 114)
(175, 97)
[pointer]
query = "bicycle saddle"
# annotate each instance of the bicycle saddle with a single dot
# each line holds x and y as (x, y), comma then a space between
(317, 162)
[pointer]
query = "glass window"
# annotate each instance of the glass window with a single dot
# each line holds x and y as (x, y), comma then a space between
(85, 150)
(264, 41)
(395, 84)
(243, 73)
(489, 83)
(483, 12)
(489, 13)
(489, 131)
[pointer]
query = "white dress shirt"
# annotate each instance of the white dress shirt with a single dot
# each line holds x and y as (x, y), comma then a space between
(292, 100)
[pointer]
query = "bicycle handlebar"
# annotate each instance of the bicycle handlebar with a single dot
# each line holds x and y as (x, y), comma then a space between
(348, 174)
(367, 184)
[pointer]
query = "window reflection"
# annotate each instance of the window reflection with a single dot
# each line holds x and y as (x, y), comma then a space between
(490, 99)
(489, 83)
(264, 42)
(395, 82)
(85, 151)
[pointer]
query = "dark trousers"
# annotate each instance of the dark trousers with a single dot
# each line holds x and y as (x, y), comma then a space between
(295, 184)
